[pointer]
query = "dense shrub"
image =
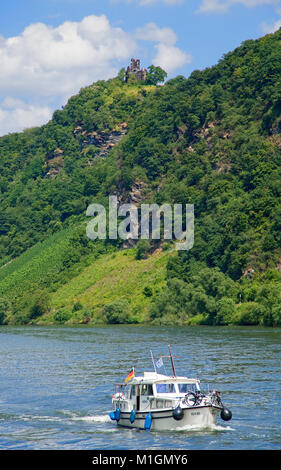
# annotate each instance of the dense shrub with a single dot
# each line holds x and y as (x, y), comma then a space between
(117, 312)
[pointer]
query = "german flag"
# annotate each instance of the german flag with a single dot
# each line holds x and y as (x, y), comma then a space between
(130, 375)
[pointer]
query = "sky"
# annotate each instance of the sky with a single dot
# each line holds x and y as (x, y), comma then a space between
(50, 49)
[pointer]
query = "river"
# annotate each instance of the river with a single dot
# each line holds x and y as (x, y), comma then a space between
(56, 385)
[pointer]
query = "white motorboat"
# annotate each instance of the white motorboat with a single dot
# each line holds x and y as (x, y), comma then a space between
(161, 402)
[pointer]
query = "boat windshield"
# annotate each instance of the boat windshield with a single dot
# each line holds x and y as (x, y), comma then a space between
(185, 388)
(165, 388)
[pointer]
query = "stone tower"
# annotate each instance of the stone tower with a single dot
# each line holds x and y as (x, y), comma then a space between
(134, 69)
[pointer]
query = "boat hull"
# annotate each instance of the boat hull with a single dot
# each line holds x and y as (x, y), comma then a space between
(163, 420)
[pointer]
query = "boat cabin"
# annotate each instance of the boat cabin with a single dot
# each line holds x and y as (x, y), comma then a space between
(153, 391)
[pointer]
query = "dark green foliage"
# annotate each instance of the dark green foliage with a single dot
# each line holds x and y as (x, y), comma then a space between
(142, 249)
(61, 316)
(46, 174)
(117, 312)
(208, 294)
(77, 306)
(155, 75)
(40, 305)
(147, 291)
(4, 309)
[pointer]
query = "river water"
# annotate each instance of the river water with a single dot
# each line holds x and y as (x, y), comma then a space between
(56, 385)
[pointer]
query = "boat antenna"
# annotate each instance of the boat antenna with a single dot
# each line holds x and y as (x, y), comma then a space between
(172, 360)
(153, 362)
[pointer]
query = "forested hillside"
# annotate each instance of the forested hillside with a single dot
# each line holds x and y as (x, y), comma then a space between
(212, 140)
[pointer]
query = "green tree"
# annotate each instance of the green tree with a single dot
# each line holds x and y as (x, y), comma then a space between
(5, 308)
(155, 75)
(40, 305)
(142, 249)
(117, 312)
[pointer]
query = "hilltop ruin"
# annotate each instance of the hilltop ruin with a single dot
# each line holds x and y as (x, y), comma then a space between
(135, 70)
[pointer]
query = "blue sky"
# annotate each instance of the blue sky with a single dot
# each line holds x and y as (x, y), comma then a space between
(49, 49)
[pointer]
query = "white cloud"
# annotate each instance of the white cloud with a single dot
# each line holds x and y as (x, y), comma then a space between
(213, 6)
(151, 32)
(168, 2)
(46, 64)
(221, 6)
(267, 28)
(15, 115)
(53, 61)
(271, 28)
(150, 2)
(168, 56)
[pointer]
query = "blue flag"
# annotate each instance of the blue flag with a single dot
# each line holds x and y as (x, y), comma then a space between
(159, 363)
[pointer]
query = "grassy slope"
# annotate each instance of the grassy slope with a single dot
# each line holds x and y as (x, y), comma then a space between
(99, 281)
(112, 276)
(40, 262)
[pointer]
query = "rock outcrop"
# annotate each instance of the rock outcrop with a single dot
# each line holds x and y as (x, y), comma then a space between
(102, 140)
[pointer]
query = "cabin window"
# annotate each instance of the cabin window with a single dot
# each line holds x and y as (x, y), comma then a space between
(133, 391)
(185, 388)
(146, 389)
(165, 388)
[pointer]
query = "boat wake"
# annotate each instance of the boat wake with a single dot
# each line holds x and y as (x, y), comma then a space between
(92, 418)
(71, 417)
(197, 428)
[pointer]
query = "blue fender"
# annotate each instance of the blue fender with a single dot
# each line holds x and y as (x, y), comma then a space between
(132, 416)
(112, 415)
(117, 414)
(147, 422)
